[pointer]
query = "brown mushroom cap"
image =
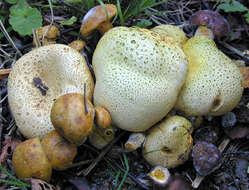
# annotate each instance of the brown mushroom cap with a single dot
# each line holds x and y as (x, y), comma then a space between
(211, 19)
(38, 78)
(96, 16)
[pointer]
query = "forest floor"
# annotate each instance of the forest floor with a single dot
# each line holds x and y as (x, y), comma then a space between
(112, 169)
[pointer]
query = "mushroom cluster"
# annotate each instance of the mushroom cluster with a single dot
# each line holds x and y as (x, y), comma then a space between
(141, 75)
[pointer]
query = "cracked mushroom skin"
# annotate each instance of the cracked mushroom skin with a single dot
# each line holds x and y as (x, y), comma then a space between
(214, 83)
(38, 78)
(169, 143)
(138, 76)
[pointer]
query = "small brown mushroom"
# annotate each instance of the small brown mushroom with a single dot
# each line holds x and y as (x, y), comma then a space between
(72, 115)
(211, 22)
(98, 18)
(59, 151)
(77, 44)
(102, 117)
(47, 35)
(30, 160)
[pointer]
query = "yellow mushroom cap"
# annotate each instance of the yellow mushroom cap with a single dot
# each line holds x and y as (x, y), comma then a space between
(173, 31)
(138, 76)
(169, 143)
(214, 83)
(53, 70)
(96, 16)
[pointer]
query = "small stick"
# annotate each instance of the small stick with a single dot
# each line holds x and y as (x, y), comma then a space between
(198, 179)
(101, 155)
(4, 73)
(71, 6)
(236, 51)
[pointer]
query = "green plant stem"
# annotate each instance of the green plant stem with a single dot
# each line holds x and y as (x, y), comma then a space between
(126, 171)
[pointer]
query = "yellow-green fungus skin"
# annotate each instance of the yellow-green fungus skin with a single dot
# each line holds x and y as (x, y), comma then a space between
(214, 83)
(172, 31)
(139, 74)
(169, 143)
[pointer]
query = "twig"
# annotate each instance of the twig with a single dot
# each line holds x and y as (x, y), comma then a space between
(108, 159)
(198, 179)
(101, 155)
(9, 38)
(71, 6)
(236, 51)
(80, 163)
(4, 73)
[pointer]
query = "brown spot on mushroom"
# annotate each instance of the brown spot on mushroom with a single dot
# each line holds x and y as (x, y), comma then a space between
(38, 84)
(217, 103)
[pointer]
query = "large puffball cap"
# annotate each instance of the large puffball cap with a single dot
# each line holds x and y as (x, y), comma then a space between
(169, 143)
(138, 76)
(214, 83)
(38, 78)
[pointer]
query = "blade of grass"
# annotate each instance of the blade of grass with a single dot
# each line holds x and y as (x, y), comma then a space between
(126, 171)
(122, 21)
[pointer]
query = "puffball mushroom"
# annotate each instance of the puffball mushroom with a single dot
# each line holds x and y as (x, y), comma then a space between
(169, 143)
(173, 31)
(38, 78)
(30, 160)
(98, 18)
(59, 151)
(214, 83)
(138, 76)
(72, 115)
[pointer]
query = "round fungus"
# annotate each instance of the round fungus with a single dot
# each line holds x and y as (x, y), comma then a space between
(98, 18)
(172, 31)
(38, 78)
(72, 116)
(138, 76)
(206, 158)
(214, 83)
(169, 143)
(30, 160)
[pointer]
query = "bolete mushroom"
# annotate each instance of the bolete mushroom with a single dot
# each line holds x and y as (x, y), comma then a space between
(72, 115)
(38, 78)
(169, 143)
(138, 76)
(214, 83)
(47, 35)
(210, 24)
(173, 31)
(30, 160)
(98, 18)
(59, 151)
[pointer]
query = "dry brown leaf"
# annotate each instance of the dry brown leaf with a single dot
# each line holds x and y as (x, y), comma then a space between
(245, 74)
(8, 143)
(38, 184)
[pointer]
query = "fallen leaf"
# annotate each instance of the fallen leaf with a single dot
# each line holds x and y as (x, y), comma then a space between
(8, 143)
(38, 184)
(245, 74)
